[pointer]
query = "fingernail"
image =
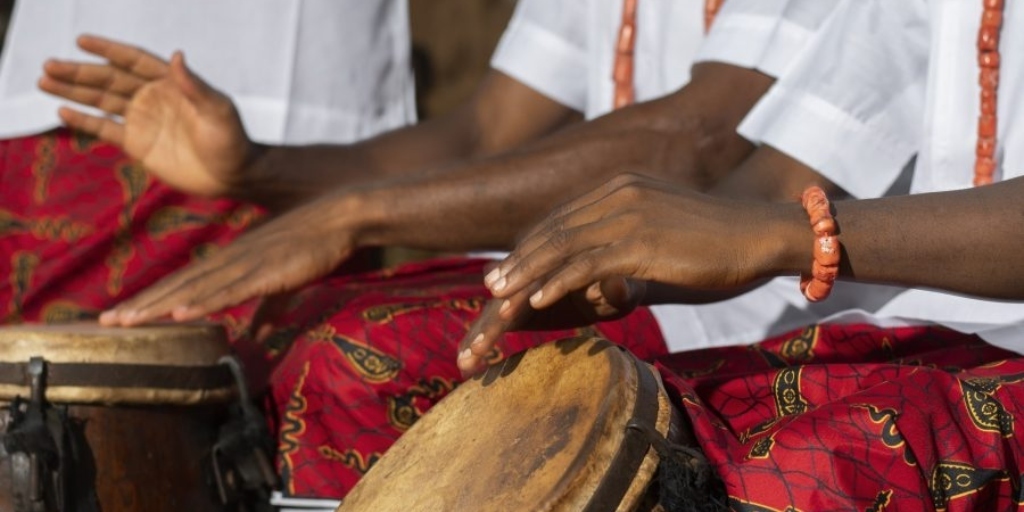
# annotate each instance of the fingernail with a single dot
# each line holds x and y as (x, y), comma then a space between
(465, 354)
(492, 276)
(537, 297)
(108, 317)
(505, 306)
(499, 285)
(479, 339)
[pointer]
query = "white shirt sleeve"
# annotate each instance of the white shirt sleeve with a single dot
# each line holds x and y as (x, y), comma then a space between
(764, 34)
(545, 47)
(851, 104)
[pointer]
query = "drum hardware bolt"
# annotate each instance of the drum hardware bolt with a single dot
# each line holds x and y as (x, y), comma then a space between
(242, 469)
(33, 441)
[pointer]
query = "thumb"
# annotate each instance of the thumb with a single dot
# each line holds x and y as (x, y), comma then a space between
(194, 88)
(616, 295)
(269, 311)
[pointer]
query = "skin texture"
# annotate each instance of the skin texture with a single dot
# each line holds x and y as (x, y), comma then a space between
(638, 228)
(498, 157)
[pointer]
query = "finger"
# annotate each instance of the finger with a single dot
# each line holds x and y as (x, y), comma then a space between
(101, 127)
(194, 88)
(131, 58)
(108, 102)
(488, 315)
(94, 75)
(613, 296)
(482, 339)
(583, 209)
(171, 292)
(560, 247)
(200, 298)
(587, 209)
(618, 259)
(269, 311)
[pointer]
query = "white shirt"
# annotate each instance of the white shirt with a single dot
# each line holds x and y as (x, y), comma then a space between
(565, 50)
(300, 71)
(883, 80)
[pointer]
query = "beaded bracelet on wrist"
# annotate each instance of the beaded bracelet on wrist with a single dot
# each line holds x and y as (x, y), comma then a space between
(817, 285)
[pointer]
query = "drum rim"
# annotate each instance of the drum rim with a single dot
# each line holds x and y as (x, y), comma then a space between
(173, 364)
(624, 468)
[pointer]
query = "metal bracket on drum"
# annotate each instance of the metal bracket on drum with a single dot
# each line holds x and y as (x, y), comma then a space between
(36, 447)
(242, 469)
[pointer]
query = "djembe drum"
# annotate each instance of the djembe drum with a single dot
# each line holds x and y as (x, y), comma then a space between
(115, 420)
(565, 426)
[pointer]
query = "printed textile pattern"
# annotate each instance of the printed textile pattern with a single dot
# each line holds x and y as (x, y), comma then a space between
(856, 417)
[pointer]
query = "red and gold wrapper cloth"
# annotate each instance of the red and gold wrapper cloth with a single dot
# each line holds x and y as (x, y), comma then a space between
(856, 417)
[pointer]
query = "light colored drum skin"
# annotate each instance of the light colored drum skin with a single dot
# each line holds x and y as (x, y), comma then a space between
(148, 403)
(544, 431)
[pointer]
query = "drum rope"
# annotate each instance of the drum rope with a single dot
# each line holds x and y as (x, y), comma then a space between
(686, 480)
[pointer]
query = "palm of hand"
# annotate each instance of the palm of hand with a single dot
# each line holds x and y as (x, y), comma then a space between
(197, 148)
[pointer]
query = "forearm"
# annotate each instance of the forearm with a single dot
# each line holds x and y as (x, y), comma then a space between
(282, 176)
(487, 204)
(687, 138)
(967, 241)
(773, 176)
(503, 114)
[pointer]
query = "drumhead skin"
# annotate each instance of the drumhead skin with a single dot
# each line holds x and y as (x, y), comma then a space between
(542, 431)
(87, 363)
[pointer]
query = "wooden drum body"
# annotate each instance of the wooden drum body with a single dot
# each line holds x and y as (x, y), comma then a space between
(561, 427)
(132, 415)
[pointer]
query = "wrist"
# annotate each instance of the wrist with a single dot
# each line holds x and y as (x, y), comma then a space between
(356, 213)
(258, 173)
(789, 241)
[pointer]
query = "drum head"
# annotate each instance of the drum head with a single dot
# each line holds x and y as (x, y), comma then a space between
(86, 363)
(543, 431)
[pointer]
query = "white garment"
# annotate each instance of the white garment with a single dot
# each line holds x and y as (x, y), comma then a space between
(300, 71)
(565, 50)
(883, 79)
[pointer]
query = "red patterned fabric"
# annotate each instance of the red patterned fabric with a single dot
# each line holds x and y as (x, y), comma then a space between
(81, 228)
(855, 417)
(353, 383)
(364, 355)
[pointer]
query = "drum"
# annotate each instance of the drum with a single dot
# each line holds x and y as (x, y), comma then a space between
(112, 420)
(565, 426)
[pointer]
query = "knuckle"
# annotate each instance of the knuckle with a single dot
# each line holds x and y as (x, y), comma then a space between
(623, 180)
(561, 240)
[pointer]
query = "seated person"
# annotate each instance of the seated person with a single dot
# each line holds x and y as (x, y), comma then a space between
(911, 409)
(83, 228)
(371, 353)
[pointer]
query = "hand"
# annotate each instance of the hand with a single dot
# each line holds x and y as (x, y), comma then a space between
(278, 257)
(610, 299)
(186, 133)
(643, 229)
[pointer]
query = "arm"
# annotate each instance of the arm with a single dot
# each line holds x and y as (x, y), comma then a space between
(501, 115)
(189, 135)
(965, 241)
(688, 138)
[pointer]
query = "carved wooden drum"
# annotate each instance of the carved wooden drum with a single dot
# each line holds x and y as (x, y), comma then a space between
(112, 420)
(565, 426)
